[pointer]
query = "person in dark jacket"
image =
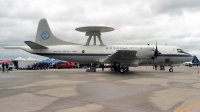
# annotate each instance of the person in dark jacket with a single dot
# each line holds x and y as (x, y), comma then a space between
(102, 66)
(3, 65)
(6, 67)
(155, 67)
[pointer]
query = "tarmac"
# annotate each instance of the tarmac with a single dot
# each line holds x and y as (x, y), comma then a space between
(142, 89)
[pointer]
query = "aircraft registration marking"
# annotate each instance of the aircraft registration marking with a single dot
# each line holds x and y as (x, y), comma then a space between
(65, 51)
(124, 48)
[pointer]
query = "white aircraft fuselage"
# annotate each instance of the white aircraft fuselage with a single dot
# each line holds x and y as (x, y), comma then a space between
(98, 54)
(46, 44)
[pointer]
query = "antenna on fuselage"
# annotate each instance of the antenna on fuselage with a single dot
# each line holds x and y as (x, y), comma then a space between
(94, 31)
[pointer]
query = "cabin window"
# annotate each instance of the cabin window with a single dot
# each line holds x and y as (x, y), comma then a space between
(180, 51)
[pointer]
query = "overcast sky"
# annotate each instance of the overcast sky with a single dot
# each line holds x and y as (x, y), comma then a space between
(136, 22)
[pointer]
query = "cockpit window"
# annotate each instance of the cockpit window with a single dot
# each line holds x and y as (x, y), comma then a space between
(180, 51)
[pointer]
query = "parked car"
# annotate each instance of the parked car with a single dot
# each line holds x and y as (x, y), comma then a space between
(52, 65)
(10, 66)
(63, 64)
(41, 65)
(73, 64)
(107, 65)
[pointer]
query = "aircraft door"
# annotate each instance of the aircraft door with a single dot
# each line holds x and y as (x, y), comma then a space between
(167, 60)
(83, 58)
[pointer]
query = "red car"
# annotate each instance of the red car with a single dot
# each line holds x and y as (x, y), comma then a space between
(63, 64)
(73, 64)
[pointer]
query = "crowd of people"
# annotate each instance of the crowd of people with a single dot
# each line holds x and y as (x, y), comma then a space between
(5, 67)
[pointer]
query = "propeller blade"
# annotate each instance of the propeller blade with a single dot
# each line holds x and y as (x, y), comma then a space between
(156, 53)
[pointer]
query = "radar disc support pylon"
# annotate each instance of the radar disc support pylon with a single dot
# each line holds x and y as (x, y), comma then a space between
(94, 31)
(93, 34)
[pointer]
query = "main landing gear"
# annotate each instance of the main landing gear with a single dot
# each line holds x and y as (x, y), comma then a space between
(118, 67)
(162, 67)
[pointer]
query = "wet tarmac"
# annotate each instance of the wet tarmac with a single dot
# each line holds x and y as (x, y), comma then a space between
(142, 89)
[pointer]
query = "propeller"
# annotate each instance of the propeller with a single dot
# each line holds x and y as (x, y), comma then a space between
(156, 53)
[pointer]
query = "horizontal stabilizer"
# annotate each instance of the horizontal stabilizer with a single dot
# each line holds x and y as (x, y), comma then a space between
(12, 47)
(34, 45)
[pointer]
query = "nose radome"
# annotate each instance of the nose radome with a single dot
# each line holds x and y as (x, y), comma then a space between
(190, 57)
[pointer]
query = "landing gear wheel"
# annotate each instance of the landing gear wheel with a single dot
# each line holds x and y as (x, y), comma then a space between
(121, 70)
(162, 67)
(171, 70)
(117, 64)
(126, 68)
(44, 67)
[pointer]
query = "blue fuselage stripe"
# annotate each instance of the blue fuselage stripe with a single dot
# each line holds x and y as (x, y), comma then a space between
(63, 54)
(175, 55)
(67, 54)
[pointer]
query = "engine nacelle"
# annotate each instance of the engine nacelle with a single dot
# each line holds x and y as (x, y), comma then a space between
(146, 52)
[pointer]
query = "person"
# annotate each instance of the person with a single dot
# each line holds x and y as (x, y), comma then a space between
(36, 65)
(6, 67)
(33, 66)
(102, 66)
(3, 67)
(155, 67)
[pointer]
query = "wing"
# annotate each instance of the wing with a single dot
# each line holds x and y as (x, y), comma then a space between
(121, 55)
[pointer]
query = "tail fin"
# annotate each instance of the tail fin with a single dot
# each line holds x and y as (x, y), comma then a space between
(45, 37)
(195, 60)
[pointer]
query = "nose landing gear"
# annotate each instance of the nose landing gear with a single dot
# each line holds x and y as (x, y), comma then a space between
(171, 69)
